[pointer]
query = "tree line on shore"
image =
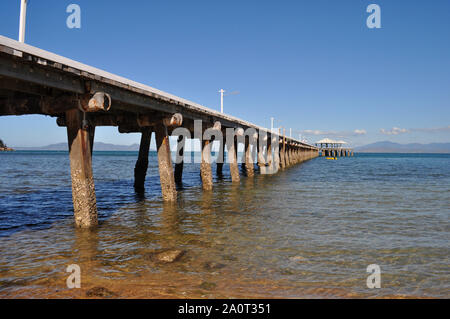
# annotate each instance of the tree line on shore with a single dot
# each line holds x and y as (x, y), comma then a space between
(4, 147)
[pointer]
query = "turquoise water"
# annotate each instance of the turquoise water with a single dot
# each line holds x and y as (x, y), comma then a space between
(317, 225)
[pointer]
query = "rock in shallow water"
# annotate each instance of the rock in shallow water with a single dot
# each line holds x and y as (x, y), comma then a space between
(297, 259)
(100, 292)
(207, 285)
(212, 265)
(167, 256)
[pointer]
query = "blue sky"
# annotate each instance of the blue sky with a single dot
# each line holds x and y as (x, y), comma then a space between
(313, 65)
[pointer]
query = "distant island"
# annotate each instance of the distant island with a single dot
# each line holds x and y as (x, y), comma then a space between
(390, 147)
(4, 148)
(378, 147)
(98, 146)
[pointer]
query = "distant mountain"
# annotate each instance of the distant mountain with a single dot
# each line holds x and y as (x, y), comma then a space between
(390, 147)
(98, 146)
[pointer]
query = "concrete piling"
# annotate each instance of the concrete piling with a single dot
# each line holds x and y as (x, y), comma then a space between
(140, 169)
(166, 172)
(220, 158)
(232, 158)
(249, 165)
(205, 166)
(179, 163)
(83, 189)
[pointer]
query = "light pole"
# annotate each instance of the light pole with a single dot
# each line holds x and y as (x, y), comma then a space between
(23, 18)
(221, 91)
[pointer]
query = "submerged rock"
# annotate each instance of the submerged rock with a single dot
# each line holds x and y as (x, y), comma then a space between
(100, 292)
(211, 265)
(167, 256)
(298, 259)
(207, 285)
(229, 257)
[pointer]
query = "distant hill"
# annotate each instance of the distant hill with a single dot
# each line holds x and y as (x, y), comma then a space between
(390, 147)
(98, 146)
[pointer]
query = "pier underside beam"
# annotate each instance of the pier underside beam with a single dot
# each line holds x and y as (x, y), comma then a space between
(83, 189)
(140, 169)
(166, 172)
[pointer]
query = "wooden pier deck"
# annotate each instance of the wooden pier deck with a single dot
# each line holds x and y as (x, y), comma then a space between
(81, 97)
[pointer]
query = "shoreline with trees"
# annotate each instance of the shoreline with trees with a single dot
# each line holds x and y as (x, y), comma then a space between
(4, 147)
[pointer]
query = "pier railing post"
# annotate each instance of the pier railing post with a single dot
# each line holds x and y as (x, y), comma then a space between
(166, 172)
(140, 169)
(83, 188)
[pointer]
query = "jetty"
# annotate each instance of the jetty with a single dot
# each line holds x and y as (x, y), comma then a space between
(81, 98)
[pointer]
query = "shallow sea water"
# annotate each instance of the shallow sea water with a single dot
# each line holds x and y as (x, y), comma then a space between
(309, 231)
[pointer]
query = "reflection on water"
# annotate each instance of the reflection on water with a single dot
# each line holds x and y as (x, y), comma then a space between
(309, 231)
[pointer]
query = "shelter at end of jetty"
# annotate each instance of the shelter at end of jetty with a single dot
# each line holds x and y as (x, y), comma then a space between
(331, 148)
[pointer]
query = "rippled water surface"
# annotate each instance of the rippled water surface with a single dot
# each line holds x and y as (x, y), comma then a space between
(308, 231)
